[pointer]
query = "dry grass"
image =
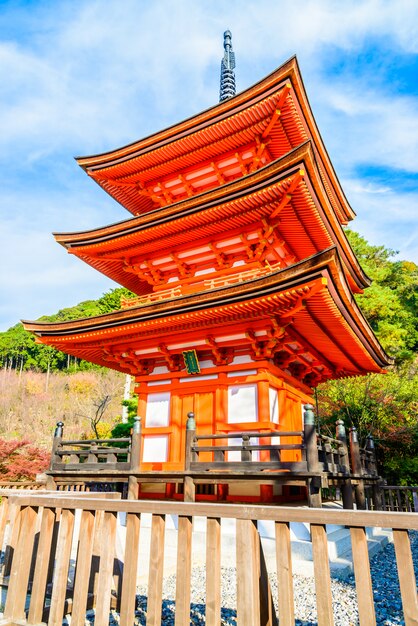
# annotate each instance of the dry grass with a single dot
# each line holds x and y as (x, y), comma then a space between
(30, 405)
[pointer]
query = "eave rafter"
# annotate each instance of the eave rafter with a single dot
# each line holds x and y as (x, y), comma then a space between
(278, 110)
(185, 182)
(286, 198)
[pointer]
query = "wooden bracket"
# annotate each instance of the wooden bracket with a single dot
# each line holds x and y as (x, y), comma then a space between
(220, 356)
(174, 361)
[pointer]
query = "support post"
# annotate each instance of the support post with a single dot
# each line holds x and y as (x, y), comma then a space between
(310, 439)
(346, 489)
(135, 459)
(372, 459)
(189, 486)
(56, 443)
(372, 469)
(357, 469)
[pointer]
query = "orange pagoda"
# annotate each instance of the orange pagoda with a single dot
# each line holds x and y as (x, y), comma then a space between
(243, 274)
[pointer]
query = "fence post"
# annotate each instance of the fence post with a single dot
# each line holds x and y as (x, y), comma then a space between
(311, 447)
(370, 448)
(135, 459)
(376, 487)
(56, 444)
(246, 455)
(189, 486)
(347, 490)
(357, 469)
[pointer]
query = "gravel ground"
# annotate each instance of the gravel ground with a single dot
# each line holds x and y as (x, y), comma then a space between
(385, 588)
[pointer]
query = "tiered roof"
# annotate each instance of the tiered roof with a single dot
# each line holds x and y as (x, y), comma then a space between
(236, 246)
(278, 214)
(224, 142)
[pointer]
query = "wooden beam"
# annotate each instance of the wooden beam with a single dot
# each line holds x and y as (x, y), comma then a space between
(287, 196)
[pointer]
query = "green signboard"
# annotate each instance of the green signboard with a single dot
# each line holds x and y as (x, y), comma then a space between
(191, 362)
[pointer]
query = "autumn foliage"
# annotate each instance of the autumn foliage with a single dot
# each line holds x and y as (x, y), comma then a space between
(20, 460)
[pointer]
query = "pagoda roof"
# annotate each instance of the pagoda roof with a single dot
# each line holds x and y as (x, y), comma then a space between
(288, 194)
(231, 138)
(310, 303)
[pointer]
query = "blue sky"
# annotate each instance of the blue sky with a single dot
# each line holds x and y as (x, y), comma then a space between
(79, 78)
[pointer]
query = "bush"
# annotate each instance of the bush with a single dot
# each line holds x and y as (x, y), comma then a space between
(20, 460)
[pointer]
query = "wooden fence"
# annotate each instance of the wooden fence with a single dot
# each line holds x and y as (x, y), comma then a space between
(396, 498)
(61, 557)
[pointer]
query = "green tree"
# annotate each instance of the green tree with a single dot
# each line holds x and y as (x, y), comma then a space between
(390, 304)
(384, 405)
(110, 301)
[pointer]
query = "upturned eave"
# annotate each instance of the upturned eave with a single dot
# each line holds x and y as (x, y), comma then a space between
(102, 247)
(117, 171)
(311, 298)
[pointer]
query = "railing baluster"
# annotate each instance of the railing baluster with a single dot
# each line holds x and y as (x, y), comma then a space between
(40, 576)
(130, 568)
(213, 571)
(284, 574)
(107, 557)
(83, 566)
(63, 551)
(21, 563)
(248, 599)
(322, 575)
(156, 570)
(184, 570)
(362, 575)
(406, 576)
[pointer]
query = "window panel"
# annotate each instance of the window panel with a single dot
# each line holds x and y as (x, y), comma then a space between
(155, 449)
(158, 410)
(242, 403)
(274, 405)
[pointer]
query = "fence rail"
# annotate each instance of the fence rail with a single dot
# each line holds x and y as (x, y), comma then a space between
(61, 557)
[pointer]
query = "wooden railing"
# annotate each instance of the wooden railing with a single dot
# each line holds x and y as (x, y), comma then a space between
(304, 457)
(400, 498)
(91, 455)
(245, 449)
(42, 535)
(24, 484)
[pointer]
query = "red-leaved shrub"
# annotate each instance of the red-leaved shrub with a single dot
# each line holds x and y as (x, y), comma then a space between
(20, 460)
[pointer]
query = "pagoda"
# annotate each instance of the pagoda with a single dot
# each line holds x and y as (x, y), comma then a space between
(243, 275)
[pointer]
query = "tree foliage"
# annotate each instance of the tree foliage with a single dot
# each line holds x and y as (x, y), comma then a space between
(19, 350)
(123, 429)
(20, 460)
(390, 304)
(384, 405)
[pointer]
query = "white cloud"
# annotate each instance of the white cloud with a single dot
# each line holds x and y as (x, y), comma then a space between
(388, 218)
(80, 78)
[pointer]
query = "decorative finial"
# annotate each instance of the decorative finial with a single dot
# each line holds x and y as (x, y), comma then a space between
(227, 89)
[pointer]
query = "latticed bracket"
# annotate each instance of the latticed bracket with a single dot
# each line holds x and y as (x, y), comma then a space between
(263, 348)
(150, 274)
(220, 356)
(174, 361)
(129, 361)
(184, 270)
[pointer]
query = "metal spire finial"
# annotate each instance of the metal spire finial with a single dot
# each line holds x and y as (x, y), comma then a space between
(227, 89)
